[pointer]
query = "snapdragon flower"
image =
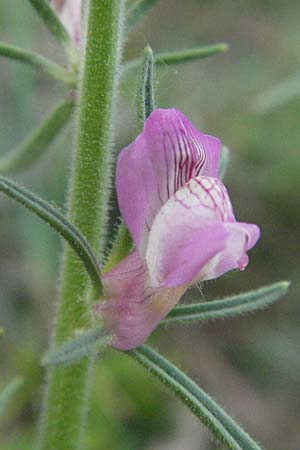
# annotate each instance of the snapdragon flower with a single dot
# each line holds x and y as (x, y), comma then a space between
(181, 220)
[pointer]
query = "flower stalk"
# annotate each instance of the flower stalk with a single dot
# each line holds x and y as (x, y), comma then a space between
(67, 388)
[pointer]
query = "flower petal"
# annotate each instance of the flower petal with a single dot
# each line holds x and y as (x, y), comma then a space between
(195, 236)
(168, 153)
(241, 238)
(132, 309)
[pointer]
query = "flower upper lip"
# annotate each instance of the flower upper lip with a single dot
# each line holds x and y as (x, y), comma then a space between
(172, 200)
(168, 153)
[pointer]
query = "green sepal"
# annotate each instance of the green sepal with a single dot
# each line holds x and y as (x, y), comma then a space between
(121, 247)
(145, 98)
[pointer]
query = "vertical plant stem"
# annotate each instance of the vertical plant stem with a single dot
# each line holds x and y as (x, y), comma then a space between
(67, 390)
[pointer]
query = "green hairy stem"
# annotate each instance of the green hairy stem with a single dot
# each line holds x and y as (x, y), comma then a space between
(68, 387)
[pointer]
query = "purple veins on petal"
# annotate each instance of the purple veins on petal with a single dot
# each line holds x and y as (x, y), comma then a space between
(167, 154)
(195, 236)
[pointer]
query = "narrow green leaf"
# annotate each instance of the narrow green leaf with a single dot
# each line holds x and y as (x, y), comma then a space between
(121, 247)
(137, 10)
(145, 88)
(84, 344)
(190, 54)
(52, 21)
(223, 162)
(38, 62)
(37, 142)
(277, 95)
(232, 436)
(229, 306)
(177, 57)
(59, 223)
(8, 392)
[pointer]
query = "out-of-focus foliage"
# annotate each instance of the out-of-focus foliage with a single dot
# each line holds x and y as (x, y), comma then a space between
(252, 364)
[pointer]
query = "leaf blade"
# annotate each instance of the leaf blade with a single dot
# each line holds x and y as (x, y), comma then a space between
(59, 223)
(137, 11)
(229, 306)
(8, 392)
(178, 57)
(200, 404)
(51, 21)
(34, 145)
(82, 345)
(36, 61)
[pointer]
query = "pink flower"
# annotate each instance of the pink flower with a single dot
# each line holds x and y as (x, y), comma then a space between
(69, 13)
(181, 220)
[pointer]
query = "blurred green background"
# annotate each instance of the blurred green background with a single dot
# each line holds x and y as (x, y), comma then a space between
(251, 365)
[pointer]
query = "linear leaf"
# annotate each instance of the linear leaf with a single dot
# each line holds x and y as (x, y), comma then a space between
(51, 21)
(137, 11)
(229, 306)
(277, 95)
(190, 54)
(8, 392)
(82, 345)
(37, 142)
(177, 57)
(224, 428)
(59, 223)
(37, 61)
